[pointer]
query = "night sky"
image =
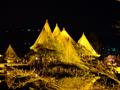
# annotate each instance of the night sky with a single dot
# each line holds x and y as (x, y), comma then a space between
(19, 23)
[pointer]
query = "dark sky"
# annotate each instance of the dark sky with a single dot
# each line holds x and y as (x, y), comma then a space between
(76, 17)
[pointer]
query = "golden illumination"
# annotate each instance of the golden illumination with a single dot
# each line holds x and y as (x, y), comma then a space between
(58, 40)
(62, 39)
(44, 37)
(56, 31)
(61, 68)
(10, 54)
(66, 35)
(117, 69)
(70, 52)
(84, 42)
(64, 45)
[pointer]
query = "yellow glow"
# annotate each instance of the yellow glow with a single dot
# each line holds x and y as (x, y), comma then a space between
(64, 44)
(1, 55)
(2, 65)
(66, 35)
(62, 39)
(44, 36)
(70, 52)
(117, 69)
(10, 54)
(84, 42)
(59, 39)
(56, 31)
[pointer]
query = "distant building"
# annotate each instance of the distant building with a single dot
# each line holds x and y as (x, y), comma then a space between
(87, 50)
(10, 55)
(61, 41)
